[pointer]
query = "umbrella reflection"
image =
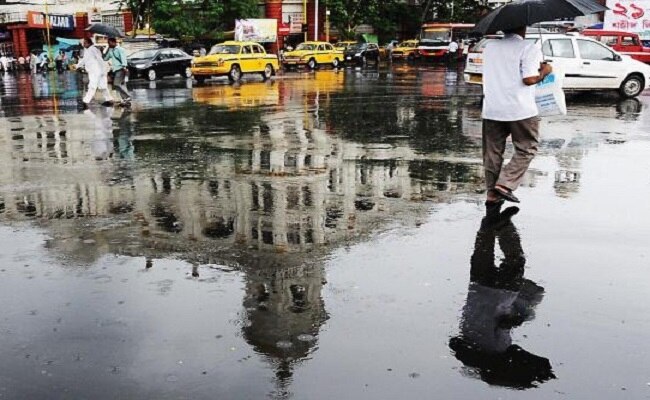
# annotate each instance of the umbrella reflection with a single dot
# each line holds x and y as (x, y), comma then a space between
(499, 299)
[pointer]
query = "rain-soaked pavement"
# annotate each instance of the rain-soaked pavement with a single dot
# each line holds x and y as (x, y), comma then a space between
(320, 236)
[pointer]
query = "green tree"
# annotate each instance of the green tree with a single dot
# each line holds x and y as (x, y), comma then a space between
(388, 17)
(190, 18)
(453, 11)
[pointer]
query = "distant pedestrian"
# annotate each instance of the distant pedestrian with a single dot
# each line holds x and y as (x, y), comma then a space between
(44, 62)
(33, 62)
(93, 63)
(452, 51)
(117, 57)
(4, 62)
(21, 63)
(511, 69)
(389, 50)
(60, 61)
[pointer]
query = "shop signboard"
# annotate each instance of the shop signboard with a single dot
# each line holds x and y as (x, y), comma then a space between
(628, 16)
(256, 30)
(36, 19)
(94, 16)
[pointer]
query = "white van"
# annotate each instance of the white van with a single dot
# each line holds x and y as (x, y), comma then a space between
(587, 64)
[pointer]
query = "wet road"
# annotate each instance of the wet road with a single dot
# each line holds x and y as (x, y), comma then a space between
(320, 236)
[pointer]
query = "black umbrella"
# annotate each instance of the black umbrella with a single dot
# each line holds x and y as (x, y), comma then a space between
(106, 30)
(527, 12)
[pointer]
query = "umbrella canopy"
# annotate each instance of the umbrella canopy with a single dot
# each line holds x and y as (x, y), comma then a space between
(527, 12)
(106, 30)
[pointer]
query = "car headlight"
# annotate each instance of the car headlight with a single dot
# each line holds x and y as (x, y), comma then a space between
(140, 66)
(357, 55)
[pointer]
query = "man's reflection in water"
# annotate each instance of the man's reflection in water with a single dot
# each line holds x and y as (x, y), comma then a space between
(499, 299)
(101, 145)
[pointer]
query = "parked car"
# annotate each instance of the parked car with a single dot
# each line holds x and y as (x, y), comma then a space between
(407, 50)
(625, 43)
(362, 53)
(233, 59)
(156, 63)
(586, 63)
(344, 44)
(313, 54)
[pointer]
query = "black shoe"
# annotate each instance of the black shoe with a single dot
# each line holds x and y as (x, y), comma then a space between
(108, 103)
(82, 105)
(507, 195)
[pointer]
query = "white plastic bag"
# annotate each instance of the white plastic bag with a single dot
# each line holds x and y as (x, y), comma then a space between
(549, 95)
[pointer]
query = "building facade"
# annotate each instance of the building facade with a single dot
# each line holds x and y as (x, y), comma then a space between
(23, 25)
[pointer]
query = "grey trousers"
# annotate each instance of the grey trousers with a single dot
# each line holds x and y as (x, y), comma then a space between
(525, 139)
(119, 85)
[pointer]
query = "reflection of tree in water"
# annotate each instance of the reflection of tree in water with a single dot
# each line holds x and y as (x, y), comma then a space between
(377, 119)
(192, 120)
(284, 313)
(442, 173)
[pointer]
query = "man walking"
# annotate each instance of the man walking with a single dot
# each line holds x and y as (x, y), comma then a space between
(33, 62)
(511, 69)
(117, 57)
(94, 64)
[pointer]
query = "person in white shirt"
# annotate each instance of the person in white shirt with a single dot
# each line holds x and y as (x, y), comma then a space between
(452, 49)
(511, 69)
(93, 63)
(4, 62)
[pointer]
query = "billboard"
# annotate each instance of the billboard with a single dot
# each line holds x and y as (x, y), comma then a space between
(629, 16)
(36, 19)
(256, 30)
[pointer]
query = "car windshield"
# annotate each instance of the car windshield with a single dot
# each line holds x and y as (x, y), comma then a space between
(143, 55)
(225, 49)
(306, 46)
(437, 35)
(358, 46)
(406, 44)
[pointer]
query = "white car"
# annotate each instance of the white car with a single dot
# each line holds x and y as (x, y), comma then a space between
(587, 64)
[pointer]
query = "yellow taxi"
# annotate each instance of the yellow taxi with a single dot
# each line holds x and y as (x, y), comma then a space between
(406, 50)
(233, 59)
(344, 44)
(313, 54)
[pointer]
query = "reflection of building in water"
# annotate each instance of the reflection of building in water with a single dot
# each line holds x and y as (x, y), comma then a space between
(284, 314)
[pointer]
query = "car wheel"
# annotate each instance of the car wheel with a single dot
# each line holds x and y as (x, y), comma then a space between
(632, 86)
(312, 64)
(188, 72)
(151, 75)
(235, 73)
(336, 63)
(268, 72)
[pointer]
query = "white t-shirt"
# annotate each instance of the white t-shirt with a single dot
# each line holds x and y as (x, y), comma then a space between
(453, 47)
(506, 63)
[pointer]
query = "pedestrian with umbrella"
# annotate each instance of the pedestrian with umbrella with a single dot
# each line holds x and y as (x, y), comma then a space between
(93, 63)
(119, 68)
(511, 69)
